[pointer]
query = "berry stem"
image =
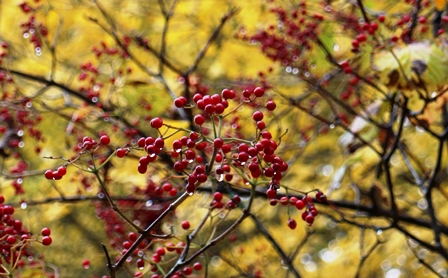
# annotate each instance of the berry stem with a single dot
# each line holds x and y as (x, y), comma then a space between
(112, 203)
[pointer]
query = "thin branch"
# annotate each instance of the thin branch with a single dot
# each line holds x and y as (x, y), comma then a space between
(212, 38)
(286, 260)
(414, 22)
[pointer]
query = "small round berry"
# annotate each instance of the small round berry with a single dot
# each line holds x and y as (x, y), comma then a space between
(161, 251)
(209, 108)
(86, 263)
(259, 92)
(300, 204)
(46, 240)
(197, 266)
(140, 263)
(180, 102)
(105, 140)
(320, 197)
(62, 170)
(199, 119)
(217, 196)
(217, 143)
(121, 152)
(11, 239)
(185, 225)
(257, 116)
(49, 174)
(309, 219)
(292, 224)
(187, 270)
(270, 105)
(46, 232)
(156, 122)
(271, 193)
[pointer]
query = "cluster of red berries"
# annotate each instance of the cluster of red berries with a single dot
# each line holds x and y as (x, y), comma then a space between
(32, 29)
(15, 239)
(293, 37)
(230, 204)
(87, 144)
(306, 202)
(160, 253)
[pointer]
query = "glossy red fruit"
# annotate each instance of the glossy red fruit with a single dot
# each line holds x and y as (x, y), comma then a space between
(292, 224)
(46, 240)
(199, 119)
(46, 232)
(105, 140)
(185, 225)
(156, 122)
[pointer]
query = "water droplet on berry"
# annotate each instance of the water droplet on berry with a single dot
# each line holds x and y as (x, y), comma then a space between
(149, 203)
(220, 177)
(190, 193)
(26, 35)
(23, 205)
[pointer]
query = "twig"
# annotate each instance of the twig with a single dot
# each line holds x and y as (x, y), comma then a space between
(286, 260)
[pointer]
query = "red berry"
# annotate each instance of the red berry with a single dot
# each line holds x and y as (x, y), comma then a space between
(185, 225)
(261, 125)
(270, 105)
(140, 263)
(180, 102)
(228, 94)
(11, 239)
(259, 92)
(309, 219)
(271, 193)
(199, 119)
(49, 174)
(257, 116)
(209, 108)
(292, 224)
(105, 140)
(382, 18)
(156, 122)
(197, 266)
(217, 143)
(300, 204)
(46, 240)
(217, 196)
(85, 263)
(62, 170)
(121, 152)
(187, 270)
(46, 232)
(160, 251)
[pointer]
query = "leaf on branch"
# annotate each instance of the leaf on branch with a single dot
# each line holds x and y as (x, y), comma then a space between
(418, 64)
